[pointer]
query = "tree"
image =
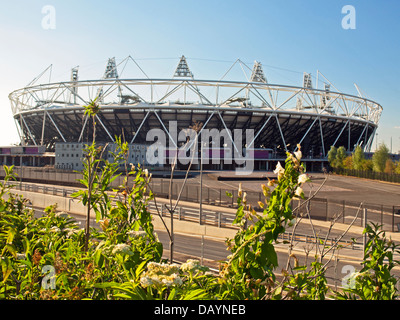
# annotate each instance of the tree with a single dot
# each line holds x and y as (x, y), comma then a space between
(389, 166)
(340, 156)
(367, 165)
(348, 162)
(332, 156)
(397, 167)
(358, 158)
(379, 158)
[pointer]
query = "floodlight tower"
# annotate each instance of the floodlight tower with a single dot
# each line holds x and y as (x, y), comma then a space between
(307, 80)
(74, 80)
(109, 73)
(257, 74)
(111, 69)
(182, 70)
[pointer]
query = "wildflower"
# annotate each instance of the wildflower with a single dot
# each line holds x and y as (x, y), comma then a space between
(36, 257)
(244, 197)
(161, 274)
(104, 224)
(240, 190)
(55, 229)
(133, 233)
(162, 267)
(145, 281)
(146, 172)
(171, 280)
(299, 192)
(71, 231)
(190, 265)
(302, 178)
(279, 170)
(62, 214)
(21, 256)
(167, 282)
(121, 248)
(265, 189)
(177, 279)
(298, 153)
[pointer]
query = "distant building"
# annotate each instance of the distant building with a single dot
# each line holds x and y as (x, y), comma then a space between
(29, 156)
(70, 156)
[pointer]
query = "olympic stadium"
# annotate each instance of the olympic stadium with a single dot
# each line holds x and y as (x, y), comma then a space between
(281, 116)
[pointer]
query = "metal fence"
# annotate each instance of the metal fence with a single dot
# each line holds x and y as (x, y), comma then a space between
(348, 211)
(319, 208)
(219, 219)
(382, 176)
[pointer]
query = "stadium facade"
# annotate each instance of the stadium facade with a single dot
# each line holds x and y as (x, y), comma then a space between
(280, 116)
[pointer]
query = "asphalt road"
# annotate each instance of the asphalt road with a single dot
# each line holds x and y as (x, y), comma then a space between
(336, 187)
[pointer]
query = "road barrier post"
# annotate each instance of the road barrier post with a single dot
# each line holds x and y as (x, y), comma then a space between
(364, 225)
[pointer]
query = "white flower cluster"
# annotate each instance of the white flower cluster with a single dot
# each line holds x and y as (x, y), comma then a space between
(62, 214)
(72, 231)
(190, 265)
(133, 233)
(161, 274)
(302, 179)
(121, 248)
(55, 229)
(279, 170)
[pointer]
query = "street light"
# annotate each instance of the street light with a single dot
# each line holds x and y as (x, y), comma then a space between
(201, 184)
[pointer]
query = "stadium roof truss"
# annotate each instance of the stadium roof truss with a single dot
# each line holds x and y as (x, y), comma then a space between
(280, 115)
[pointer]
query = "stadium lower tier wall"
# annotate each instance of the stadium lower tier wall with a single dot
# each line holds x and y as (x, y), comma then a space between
(48, 175)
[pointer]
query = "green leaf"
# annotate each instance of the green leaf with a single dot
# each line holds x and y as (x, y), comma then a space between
(256, 273)
(6, 268)
(10, 235)
(172, 294)
(271, 254)
(197, 294)
(300, 268)
(11, 249)
(99, 258)
(105, 285)
(140, 268)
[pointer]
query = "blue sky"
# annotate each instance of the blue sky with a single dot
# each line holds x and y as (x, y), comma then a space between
(287, 36)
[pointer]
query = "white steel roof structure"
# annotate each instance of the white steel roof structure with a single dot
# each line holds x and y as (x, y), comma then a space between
(281, 115)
